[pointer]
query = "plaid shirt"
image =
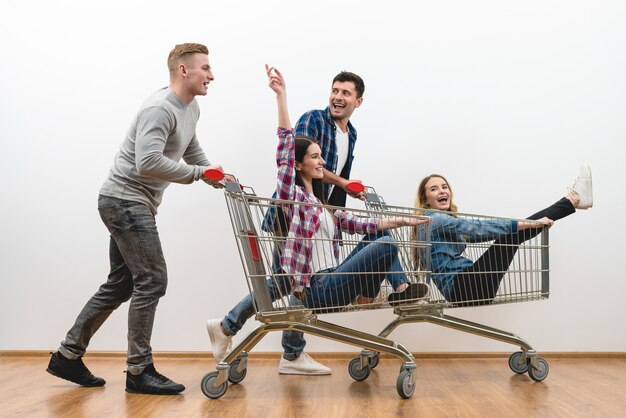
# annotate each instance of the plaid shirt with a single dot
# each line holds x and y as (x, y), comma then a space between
(319, 124)
(304, 220)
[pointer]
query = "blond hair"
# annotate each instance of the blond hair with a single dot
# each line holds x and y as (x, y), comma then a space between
(181, 52)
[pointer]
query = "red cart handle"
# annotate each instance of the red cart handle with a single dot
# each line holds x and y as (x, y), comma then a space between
(214, 174)
(355, 187)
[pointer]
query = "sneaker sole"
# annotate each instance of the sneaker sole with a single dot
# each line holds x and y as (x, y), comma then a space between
(140, 392)
(53, 373)
(300, 373)
(212, 337)
(209, 329)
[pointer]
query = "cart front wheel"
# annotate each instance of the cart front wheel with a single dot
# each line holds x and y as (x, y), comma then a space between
(209, 390)
(517, 364)
(540, 372)
(234, 376)
(355, 370)
(405, 384)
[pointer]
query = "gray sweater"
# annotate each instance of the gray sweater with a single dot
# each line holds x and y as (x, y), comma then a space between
(162, 132)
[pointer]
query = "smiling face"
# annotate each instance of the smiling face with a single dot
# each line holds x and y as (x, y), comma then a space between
(312, 165)
(437, 194)
(198, 74)
(343, 100)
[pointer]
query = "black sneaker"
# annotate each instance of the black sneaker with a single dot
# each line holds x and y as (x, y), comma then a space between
(412, 292)
(151, 382)
(73, 370)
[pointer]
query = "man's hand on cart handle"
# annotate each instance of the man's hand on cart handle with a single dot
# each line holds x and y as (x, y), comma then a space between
(354, 188)
(215, 176)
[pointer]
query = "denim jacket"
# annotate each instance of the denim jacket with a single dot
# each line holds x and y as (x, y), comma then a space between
(449, 237)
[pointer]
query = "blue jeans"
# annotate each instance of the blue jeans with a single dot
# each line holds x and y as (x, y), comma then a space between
(361, 274)
(395, 274)
(138, 272)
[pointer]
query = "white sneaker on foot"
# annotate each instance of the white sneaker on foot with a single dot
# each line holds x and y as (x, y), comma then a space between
(583, 187)
(220, 343)
(304, 364)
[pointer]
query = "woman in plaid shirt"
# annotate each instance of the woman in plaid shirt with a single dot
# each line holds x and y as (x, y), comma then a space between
(305, 257)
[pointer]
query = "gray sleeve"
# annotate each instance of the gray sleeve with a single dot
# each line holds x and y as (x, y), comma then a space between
(154, 126)
(194, 154)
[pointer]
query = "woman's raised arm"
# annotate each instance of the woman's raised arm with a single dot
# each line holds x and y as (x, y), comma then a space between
(277, 84)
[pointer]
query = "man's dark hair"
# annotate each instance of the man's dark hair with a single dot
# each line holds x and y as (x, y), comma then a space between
(348, 76)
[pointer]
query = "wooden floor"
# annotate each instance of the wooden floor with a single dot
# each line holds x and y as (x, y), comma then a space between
(483, 387)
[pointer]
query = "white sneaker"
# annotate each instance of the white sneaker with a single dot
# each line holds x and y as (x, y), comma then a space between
(583, 188)
(220, 343)
(304, 364)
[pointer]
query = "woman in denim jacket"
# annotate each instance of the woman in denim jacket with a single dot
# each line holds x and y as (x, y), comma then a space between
(480, 279)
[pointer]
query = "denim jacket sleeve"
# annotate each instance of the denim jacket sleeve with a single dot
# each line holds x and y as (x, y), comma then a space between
(472, 230)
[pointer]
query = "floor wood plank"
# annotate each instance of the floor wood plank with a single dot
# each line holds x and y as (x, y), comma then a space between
(473, 387)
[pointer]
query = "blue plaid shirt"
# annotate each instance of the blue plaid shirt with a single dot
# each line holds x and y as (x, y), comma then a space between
(320, 125)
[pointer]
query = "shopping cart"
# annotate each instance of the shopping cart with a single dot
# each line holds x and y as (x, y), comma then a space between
(277, 308)
(525, 278)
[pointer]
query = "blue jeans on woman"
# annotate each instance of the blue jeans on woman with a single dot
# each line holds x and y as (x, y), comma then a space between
(361, 274)
(395, 274)
(138, 272)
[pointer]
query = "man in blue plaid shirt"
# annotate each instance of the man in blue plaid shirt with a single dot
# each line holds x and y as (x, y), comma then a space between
(335, 134)
(336, 137)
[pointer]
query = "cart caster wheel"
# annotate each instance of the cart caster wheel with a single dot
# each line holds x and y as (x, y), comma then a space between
(209, 390)
(405, 385)
(355, 370)
(374, 360)
(540, 372)
(234, 376)
(519, 367)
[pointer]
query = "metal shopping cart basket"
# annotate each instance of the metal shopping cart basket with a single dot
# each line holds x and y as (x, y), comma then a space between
(277, 309)
(521, 263)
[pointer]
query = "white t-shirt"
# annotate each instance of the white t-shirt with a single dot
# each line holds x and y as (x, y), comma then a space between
(323, 254)
(342, 143)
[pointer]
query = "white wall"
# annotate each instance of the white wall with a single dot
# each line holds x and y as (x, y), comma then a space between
(504, 98)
